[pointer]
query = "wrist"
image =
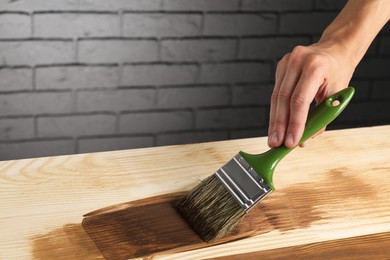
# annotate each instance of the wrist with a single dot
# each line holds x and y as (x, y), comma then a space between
(343, 44)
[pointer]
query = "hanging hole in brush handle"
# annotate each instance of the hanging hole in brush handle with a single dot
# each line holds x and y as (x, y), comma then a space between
(335, 103)
(326, 112)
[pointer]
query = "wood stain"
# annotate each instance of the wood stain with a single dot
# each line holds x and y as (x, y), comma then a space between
(150, 226)
(153, 225)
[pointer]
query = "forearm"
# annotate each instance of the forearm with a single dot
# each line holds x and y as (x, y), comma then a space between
(356, 27)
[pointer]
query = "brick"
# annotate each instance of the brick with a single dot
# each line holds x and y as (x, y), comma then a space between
(272, 5)
(74, 77)
(191, 137)
(32, 103)
(362, 89)
(198, 50)
(381, 89)
(240, 24)
(155, 122)
(75, 25)
(117, 51)
(15, 26)
(373, 48)
(124, 5)
(386, 28)
(230, 118)
(38, 5)
(368, 113)
(313, 22)
(269, 48)
(76, 125)
(259, 94)
(330, 4)
(385, 45)
(85, 5)
(373, 68)
(90, 145)
(235, 72)
(192, 97)
(35, 148)
(337, 125)
(13, 79)
(201, 5)
(248, 133)
(161, 25)
(115, 100)
(33, 52)
(159, 74)
(16, 128)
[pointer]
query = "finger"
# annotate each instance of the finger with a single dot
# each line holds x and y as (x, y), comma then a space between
(307, 87)
(279, 75)
(319, 132)
(304, 144)
(283, 102)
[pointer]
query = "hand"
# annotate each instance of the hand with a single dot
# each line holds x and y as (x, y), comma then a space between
(307, 73)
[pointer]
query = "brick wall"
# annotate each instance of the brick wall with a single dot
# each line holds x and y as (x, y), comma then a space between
(93, 75)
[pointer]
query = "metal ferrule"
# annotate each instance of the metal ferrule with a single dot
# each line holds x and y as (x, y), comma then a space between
(242, 181)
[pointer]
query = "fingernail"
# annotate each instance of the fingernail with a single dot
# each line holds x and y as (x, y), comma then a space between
(289, 140)
(274, 138)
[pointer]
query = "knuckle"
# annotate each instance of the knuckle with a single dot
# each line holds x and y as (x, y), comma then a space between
(279, 121)
(298, 50)
(297, 53)
(274, 97)
(285, 58)
(298, 100)
(295, 125)
(314, 63)
(280, 64)
(283, 96)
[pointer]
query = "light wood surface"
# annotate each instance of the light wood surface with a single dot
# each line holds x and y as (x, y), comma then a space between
(337, 188)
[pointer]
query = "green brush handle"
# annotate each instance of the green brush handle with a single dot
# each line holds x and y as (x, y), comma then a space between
(264, 164)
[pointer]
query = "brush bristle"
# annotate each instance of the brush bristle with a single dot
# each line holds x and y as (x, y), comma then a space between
(210, 209)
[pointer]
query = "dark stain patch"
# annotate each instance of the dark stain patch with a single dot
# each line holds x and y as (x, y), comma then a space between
(153, 225)
(68, 242)
(150, 226)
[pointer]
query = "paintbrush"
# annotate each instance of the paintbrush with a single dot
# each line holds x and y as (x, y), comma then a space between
(216, 205)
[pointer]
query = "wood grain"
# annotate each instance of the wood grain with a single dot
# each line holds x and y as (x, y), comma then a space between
(337, 188)
(149, 226)
(374, 246)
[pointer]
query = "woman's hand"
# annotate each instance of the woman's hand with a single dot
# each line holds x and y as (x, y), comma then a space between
(320, 70)
(307, 73)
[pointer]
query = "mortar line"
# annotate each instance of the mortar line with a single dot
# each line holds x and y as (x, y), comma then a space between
(33, 78)
(121, 23)
(76, 49)
(76, 145)
(32, 24)
(35, 118)
(117, 122)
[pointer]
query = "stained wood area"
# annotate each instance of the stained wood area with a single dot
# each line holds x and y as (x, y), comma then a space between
(149, 226)
(332, 200)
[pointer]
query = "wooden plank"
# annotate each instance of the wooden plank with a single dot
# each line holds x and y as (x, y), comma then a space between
(374, 246)
(336, 188)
